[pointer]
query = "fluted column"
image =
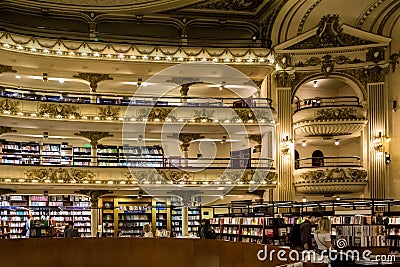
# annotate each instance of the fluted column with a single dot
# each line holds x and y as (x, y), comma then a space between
(378, 170)
(284, 156)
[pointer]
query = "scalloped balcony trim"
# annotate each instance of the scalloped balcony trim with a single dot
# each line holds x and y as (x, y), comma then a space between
(128, 52)
(331, 186)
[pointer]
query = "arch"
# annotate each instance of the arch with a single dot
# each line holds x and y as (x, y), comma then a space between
(317, 158)
(355, 84)
(296, 159)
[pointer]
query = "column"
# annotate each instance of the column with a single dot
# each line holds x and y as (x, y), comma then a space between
(284, 156)
(378, 134)
(94, 219)
(184, 93)
(185, 139)
(185, 221)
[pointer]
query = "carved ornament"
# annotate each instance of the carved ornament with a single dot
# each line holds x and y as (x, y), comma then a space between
(376, 74)
(256, 138)
(394, 61)
(284, 79)
(232, 177)
(283, 60)
(330, 34)
(186, 138)
(93, 78)
(184, 80)
(328, 63)
(94, 137)
(336, 114)
(264, 177)
(5, 68)
(9, 106)
(59, 110)
(109, 112)
(203, 115)
(376, 54)
(335, 174)
(144, 176)
(177, 176)
(59, 175)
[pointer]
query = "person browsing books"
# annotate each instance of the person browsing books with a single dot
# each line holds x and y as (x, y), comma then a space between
(71, 231)
(323, 235)
(305, 230)
(147, 231)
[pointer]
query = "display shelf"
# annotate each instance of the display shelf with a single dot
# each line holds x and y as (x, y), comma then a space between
(66, 154)
(82, 156)
(141, 156)
(133, 214)
(107, 155)
(51, 154)
(194, 219)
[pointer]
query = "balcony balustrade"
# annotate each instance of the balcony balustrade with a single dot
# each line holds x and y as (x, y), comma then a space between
(330, 116)
(329, 175)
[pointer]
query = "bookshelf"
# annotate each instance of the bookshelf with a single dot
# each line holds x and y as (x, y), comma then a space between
(107, 218)
(51, 154)
(142, 156)
(107, 155)
(194, 219)
(4, 230)
(82, 156)
(393, 232)
(161, 213)
(66, 154)
(133, 214)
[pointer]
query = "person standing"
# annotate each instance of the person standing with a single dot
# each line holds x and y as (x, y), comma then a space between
(206, 231)
(323, 235)
(147, 230)
(71, 231)
(28, 226)
(305, 230)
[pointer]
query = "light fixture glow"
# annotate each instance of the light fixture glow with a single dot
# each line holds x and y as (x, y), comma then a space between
(304, 143)
(337, 142)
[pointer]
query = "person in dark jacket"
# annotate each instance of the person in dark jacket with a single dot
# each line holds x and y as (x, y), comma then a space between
(206, 231)
(71, 231)
(305, 230)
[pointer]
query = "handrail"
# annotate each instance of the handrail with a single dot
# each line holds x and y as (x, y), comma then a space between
(125, 100)
(120, 160)
(317, 102)
(320, 162)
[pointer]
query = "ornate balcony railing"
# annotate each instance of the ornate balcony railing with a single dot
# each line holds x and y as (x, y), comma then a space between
(327, 102)
(330, 175)
(329, 117)
(317, 162)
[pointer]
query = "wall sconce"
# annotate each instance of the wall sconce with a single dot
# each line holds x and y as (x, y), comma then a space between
(285, 145)
(379, 142)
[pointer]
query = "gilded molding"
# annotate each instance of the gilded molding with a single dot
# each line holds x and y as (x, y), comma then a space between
(109, 112)
(186, 138)
(336, 114)
(93, 78)
(376, 74)
(203, 115)
(263, 177)
(9, 106)
(375, 54)
(156, 114)
(144, 176)
(4, 130)
(184, 80)
(176, 176)
(245, 115)
(59, 110)
(94, 136)
(335, 174)
(61, 174)
(283, 60)
(5, 68)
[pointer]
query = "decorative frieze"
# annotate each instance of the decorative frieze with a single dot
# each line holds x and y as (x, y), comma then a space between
(232, 5)
(284, 79)
(59, 111)
(8, 106)
(283, 60)
(68, 175)
(328, 62)
(203, 115)
(336, 114)
(5, 68)
(109, 112)
(177, 176)
(144, 177)
(334, 174)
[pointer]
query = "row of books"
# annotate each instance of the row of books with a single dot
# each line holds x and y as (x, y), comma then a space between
(360, 230)
(363, 241)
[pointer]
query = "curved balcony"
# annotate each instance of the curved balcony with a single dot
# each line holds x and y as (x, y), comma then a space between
(120, 109)
(131, 173)
(329, 175)
(329, 117)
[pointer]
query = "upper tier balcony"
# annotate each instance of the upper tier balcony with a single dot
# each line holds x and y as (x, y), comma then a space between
(329, 175)
(120, 109)
(158, 175)
(329, 117)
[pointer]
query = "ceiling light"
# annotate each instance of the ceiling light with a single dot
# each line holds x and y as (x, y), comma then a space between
(222, 86)
(59, 52)
(121, 56)
(261, 59)
(315, 84)
(20, 47)
(46, 50)
(304, 143)
(84, 54)
(61, 80)
(18, 76)
(71, 53)
(304, 199)
(337, 142)
(338, 198)
(156, 58)
(96, 54)
(33, 49)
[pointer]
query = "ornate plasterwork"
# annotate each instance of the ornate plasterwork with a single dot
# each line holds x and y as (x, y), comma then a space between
(59, 110)
(109, 112)
(177, 176)
(70, 175)
(336, 114)
(283, 60)
(144, 176)
(203, 115)
(5, 68)
(376, 74)
(186, 138)
(263, 177)
(330, 34)
(394, 61)
(232, 177)
(334, 174)
(284, 79)
(328, 62)
(331, 180)
(156, 114)
(245, 115)
(94, 136)
(376, 54)
(93, 78)
(329, 128)
(231, 5)
(9, 106)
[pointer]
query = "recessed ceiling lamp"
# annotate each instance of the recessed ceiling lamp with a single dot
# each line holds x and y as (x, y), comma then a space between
(223, 139)
(304, 143)
(337, 142)
(18, 76)
(315, 84)
(222, 86)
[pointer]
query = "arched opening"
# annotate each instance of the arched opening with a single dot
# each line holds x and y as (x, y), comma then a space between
(317, 158)
(296, 159)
